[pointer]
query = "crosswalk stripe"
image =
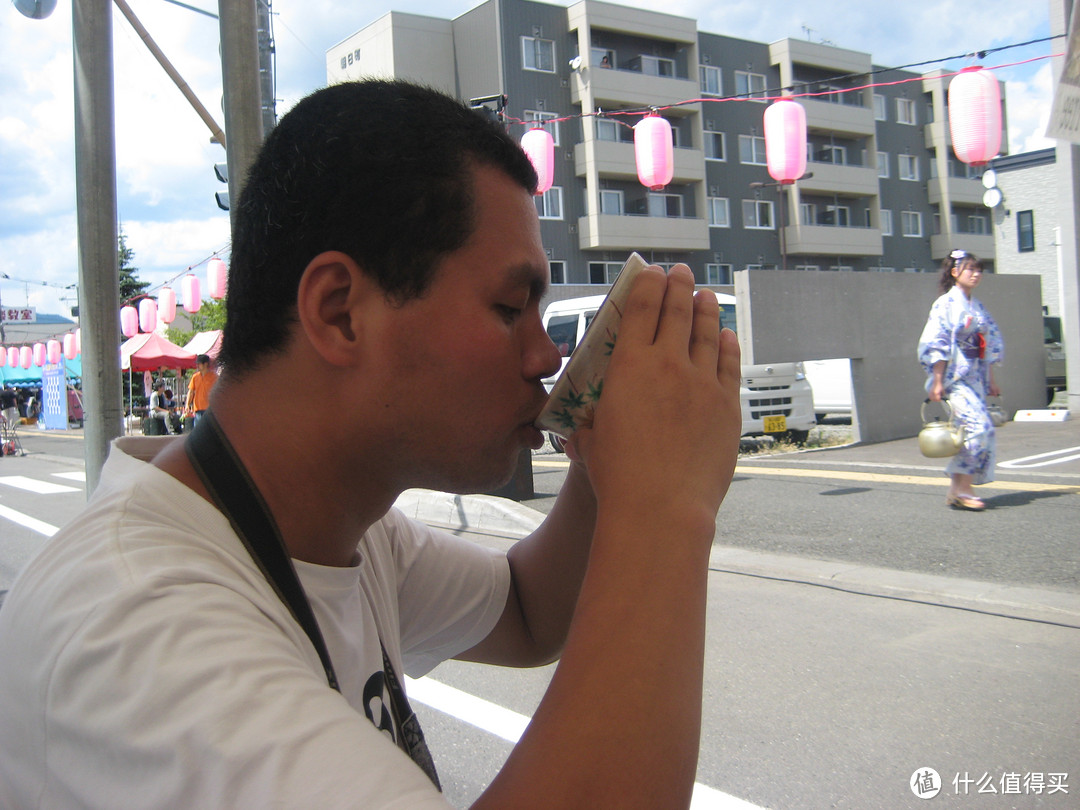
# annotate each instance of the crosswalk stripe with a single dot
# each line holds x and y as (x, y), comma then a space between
(34, 485)
(77, 475)
(39, 526)
(510, 725)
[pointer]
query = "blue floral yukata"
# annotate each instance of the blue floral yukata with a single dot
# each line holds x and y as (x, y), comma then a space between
(961, 332)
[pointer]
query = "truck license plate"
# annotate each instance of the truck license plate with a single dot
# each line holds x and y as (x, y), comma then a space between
(775, 424)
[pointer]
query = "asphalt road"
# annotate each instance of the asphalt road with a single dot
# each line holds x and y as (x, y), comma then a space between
(859, 630)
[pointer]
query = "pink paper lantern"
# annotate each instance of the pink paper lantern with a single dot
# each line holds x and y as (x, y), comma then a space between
(654, 152)
(147, 314)
(785, 140)
(52, 351)
(26, 356)
(190, 287)
(13, 356)
(39, 354)
(167, 304)
(975, 116)
(129, 321)
(70, 349)
(3, 356)
(540, 147)
(217, 274)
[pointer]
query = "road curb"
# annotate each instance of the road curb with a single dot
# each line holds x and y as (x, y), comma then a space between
(1008, 601)
(501, 517)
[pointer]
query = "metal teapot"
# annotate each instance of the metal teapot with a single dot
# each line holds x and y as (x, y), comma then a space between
(940, 439)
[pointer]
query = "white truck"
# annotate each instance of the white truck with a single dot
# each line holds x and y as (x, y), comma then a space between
(776, 398)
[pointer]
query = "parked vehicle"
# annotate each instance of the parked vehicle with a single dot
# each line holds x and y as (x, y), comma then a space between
(831, 383)
(776, 398)
(1055, 356)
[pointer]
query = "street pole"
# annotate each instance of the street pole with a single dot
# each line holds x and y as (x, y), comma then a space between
(95, 194)
(783, 241)
(243, 97)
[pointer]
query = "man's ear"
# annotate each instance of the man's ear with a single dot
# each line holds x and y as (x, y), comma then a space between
(330, 303)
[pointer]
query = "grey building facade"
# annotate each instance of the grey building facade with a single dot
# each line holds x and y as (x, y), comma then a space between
(883, 190)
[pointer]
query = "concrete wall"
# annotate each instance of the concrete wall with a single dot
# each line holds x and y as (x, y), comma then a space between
(876, 319)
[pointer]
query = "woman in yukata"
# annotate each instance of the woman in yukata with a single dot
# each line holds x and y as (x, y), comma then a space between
(958, 349)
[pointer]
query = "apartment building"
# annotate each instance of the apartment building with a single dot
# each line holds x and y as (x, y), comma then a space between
(883, 190)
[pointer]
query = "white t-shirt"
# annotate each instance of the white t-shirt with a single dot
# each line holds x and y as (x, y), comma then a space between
(146, 663)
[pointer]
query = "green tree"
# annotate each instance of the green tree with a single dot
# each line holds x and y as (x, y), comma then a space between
(211, 315)
(130, 286)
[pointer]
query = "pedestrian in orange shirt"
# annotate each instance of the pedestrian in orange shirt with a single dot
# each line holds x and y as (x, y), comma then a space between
(198, 395)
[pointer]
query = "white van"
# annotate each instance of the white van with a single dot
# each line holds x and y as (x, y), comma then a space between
(776, 398)
(831, 381)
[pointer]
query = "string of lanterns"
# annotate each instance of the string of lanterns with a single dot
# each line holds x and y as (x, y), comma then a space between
(133, 319)
(144, 318)
(974, 122)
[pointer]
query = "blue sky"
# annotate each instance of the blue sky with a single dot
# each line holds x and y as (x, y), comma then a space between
(165, 179)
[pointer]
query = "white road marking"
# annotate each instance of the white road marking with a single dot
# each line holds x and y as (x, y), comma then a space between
(76, 475)
(33, 485)
(39, 526)
(510, 725)
(1033, 461)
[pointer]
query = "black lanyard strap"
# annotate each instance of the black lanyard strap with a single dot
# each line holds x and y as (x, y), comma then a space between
(235, 494)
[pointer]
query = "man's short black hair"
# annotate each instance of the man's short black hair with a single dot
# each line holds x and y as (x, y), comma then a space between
(379, 170)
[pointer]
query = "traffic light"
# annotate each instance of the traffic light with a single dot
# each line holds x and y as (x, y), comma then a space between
(221, 171)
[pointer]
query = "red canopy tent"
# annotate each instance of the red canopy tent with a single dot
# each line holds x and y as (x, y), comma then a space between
(149, 351)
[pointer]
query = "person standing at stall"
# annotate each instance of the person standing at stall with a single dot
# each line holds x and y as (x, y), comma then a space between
(959, 347)
(202, 381)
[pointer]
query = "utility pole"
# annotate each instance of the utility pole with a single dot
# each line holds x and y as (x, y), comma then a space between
(95, 193)
(243, 97)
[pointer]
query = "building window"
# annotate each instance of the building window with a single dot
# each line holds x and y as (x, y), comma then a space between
(665, 205)
(714, 146)
(1025, 231)
(909, 167)
(911, 223)
(977, 224)
(808, 213)
(717, 273)
(558, 272)
(710, 80)
(813, 267)
(719, 212)
(905, 111)
(880, 108)
(602, 57)
(611, 202)
(607, 130)
(751, 85)
(538, 54)
(546, 121)
(604, 272)
(657, 66)
(838, 215)
(752, 149)
(828, 154)
(549, 204)
(886, 221)
(882, 164)
(757, 214)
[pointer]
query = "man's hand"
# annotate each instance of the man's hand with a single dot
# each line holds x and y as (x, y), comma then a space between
(667, 428)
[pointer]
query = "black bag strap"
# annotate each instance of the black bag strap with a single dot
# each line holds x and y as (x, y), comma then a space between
(235, 494)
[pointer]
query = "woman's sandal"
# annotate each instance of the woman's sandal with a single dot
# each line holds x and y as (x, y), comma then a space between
(969, 502)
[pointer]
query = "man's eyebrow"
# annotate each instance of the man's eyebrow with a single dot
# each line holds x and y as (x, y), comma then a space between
(529, 275)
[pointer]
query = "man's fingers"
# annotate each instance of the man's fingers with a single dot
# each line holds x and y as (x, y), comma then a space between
(705, 332)
(677, 315)
(641, 312)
